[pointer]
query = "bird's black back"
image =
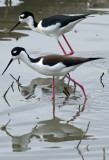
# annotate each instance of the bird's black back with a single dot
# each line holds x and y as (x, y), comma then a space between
(62, 19)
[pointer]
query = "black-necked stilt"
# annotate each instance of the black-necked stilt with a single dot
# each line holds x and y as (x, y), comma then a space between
(53, 26)
(50, 65)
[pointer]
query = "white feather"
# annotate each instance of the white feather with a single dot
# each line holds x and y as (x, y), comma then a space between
(49, 31)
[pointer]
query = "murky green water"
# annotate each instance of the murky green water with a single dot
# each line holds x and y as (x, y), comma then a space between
(28, 127)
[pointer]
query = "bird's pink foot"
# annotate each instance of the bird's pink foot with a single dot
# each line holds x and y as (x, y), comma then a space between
(71, 53)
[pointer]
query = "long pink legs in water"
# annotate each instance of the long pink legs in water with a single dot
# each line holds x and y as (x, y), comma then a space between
(78, 85)
(72, 52)
(53, 87)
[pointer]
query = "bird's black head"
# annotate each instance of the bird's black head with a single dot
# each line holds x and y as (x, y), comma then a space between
(25, 14)
(16, 51)
(25, 17)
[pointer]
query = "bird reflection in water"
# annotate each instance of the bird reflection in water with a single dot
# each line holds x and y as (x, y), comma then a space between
(52, 130)
(46, 84)
(78, 112)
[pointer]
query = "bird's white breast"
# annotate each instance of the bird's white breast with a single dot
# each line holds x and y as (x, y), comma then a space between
(52, 30)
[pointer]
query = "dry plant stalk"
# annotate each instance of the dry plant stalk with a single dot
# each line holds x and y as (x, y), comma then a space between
(101, 79)
(83, 135)
(12, 86)
(4, 126)
(4, 96)
(66, 92)
(104, 157)
(74, 87)
(6, 92)
(17, 80)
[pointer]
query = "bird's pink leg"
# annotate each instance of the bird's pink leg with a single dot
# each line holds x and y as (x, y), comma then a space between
(53, 88)
(62, 48)
(72, 52)
(78, 85)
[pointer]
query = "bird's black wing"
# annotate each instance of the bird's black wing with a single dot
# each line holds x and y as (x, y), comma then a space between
(68, 62)
(62, 19)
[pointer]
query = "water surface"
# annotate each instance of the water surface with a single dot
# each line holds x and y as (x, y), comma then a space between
(32, 126)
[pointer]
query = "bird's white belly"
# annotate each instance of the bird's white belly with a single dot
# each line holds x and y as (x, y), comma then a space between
(54, 34)
(68, 27)
(56, 70)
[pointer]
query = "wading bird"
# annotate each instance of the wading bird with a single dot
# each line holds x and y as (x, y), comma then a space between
(50, 65)
(53, 26)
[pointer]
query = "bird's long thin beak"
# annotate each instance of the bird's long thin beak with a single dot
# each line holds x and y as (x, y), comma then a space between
(14, 27)
(8, 65)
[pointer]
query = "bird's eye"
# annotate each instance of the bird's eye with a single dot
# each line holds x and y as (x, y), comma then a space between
(14, 53)
(22, 16)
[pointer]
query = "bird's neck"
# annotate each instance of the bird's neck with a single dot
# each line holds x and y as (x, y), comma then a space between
(32, 24)
(29, 61)
(25, 58)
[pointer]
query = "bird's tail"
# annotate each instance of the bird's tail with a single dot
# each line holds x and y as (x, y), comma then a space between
(92, 59)
(91, 14)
